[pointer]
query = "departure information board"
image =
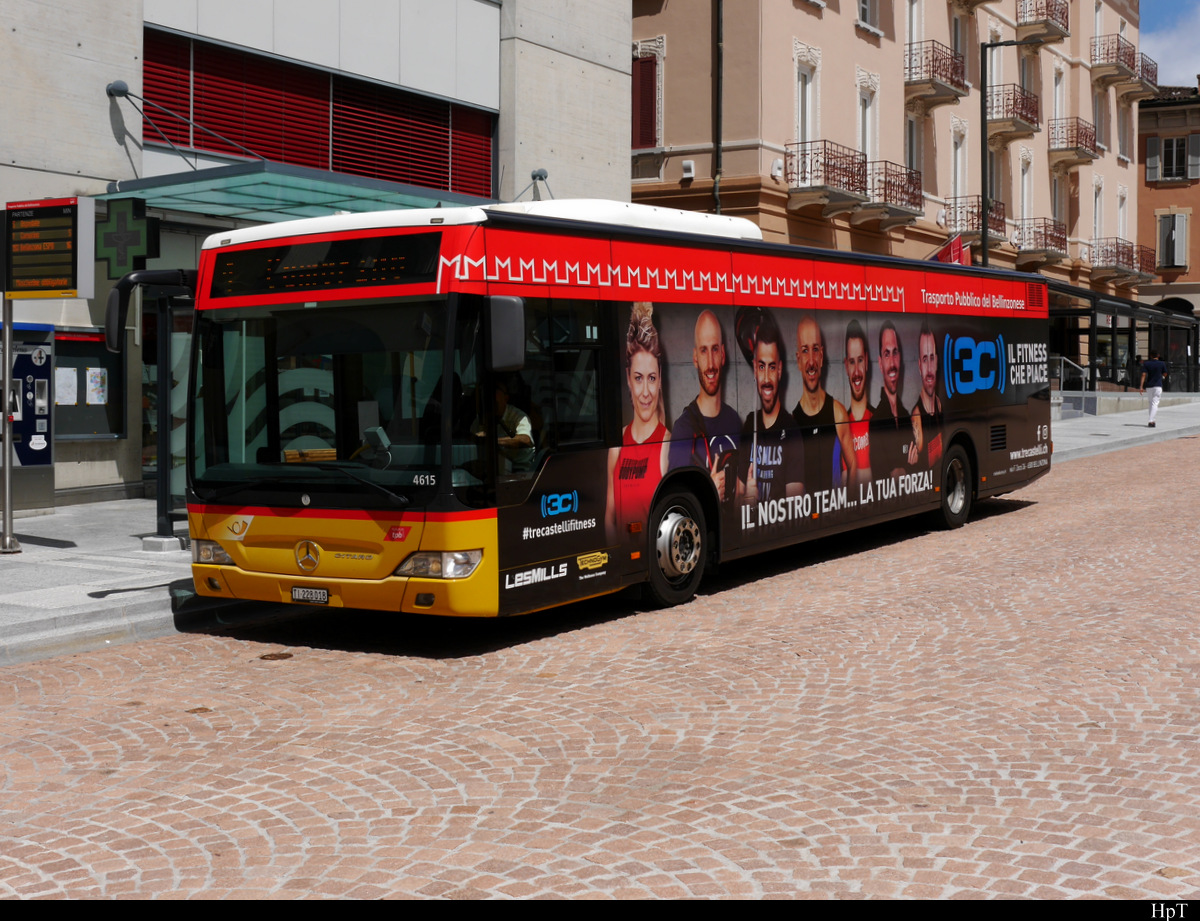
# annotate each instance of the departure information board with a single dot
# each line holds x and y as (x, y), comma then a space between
(49, 248)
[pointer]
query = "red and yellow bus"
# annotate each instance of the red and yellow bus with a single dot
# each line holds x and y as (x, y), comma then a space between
(494, 410)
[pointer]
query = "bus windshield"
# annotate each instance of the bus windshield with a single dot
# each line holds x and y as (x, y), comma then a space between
(339, 405)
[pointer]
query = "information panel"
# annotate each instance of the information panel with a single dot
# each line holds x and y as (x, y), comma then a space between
(50, 246)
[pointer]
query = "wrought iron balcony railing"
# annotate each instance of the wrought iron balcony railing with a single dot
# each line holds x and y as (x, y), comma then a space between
(1114, 252)
(964, 214)
(892, 184)
(1053, 11)
(1012, 101)
(1071, 133)
(1114, 50)
(824, 163)
(1147, 69)
(1042, 233)
(1146, 259)
(933, 61)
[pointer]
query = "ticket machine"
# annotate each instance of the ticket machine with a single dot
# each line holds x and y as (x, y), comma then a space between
(32, 405)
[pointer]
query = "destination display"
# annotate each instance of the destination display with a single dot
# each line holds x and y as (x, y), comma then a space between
(50, 248)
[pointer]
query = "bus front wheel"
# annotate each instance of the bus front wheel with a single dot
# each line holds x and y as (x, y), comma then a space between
(956, 488)
(678, 547)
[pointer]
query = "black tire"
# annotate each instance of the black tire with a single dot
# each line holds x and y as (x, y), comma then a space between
(678, 549)
(957, 488)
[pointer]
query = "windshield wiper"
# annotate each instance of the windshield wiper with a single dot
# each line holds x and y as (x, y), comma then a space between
(395, 498)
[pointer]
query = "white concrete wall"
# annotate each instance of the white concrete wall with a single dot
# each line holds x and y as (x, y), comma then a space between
(448, 48)
(565, 97)
(62, 135)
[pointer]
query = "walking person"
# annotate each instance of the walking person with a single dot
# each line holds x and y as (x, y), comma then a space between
(1153, 371)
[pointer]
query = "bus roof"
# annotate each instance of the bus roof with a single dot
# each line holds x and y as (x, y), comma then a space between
(586, 210)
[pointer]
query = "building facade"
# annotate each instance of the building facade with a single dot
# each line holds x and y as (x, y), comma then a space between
(864, 126)
(185, 117)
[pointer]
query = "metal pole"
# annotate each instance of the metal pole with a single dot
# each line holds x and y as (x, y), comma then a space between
(984, 173)
(8, 541)
(162, 492)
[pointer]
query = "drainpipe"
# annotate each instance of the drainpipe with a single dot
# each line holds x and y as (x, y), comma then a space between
(718, 126)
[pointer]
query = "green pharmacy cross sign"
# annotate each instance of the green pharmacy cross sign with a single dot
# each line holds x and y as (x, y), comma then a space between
(126, 238)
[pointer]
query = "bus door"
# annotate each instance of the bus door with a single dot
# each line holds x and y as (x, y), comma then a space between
(548, 427)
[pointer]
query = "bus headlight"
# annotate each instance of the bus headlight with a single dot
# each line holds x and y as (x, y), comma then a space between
(209, 551)
(449, 564)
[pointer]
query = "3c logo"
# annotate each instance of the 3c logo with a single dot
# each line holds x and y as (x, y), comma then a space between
(560, 503)
(974, 365)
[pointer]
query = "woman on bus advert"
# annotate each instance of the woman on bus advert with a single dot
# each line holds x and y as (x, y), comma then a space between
(636, 468)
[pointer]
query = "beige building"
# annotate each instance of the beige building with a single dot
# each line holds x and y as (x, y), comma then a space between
(857, 125)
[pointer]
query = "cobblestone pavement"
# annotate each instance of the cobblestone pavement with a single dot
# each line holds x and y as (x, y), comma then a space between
(1006, 710)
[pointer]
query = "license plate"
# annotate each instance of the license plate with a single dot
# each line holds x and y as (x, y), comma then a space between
(310, 595)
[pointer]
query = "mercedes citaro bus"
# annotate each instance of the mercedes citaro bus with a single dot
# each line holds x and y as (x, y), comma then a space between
(494, 410)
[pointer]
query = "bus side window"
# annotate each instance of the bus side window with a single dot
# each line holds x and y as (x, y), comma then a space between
(561, 361)
(575, 379)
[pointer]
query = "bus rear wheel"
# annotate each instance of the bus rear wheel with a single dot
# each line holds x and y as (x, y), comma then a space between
(678, 543)
(956, 488)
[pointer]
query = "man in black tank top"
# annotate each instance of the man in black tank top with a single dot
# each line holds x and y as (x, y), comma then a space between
(821, 418)
(927, 414)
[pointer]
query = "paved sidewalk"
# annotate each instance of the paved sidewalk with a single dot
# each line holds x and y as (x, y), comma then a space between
(83, 580)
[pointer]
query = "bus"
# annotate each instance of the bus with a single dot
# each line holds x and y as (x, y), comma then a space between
(494, 410)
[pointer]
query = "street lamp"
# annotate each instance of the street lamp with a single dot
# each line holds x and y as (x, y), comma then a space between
(984, 173)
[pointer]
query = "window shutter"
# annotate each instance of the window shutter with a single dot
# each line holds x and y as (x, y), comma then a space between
(1193, 156)
(470, 151)
(167, 79)
(1166, 242)
(284, 112)
(645, 103)
(1152, 145)
(1173, 240)
(387, 135)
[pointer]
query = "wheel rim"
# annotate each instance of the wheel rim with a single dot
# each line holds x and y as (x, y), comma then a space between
(677, 544)
(956, 487)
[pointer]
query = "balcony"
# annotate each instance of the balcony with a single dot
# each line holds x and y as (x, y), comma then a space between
(1044, 20)
(1144, 84)
(968, 5)
(1147, 260)
(934, 75)
(895, 195)
(1013, 112)
(1121, 262)
(1072, 143)
(1041, 241)
(964, 215)
(1114, 60)
(825, 173)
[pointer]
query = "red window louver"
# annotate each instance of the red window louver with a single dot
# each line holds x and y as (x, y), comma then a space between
(384, 135)
(298, 115)
(167, 77)
(645, 103)
(279, 111)
(471, 151)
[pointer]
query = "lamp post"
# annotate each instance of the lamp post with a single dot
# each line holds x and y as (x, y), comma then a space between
(985, 175)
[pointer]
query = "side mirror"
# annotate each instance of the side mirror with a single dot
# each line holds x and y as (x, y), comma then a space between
(116, 309)
(508, 333)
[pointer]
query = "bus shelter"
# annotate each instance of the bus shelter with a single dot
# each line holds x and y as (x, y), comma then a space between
(1098, 341)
